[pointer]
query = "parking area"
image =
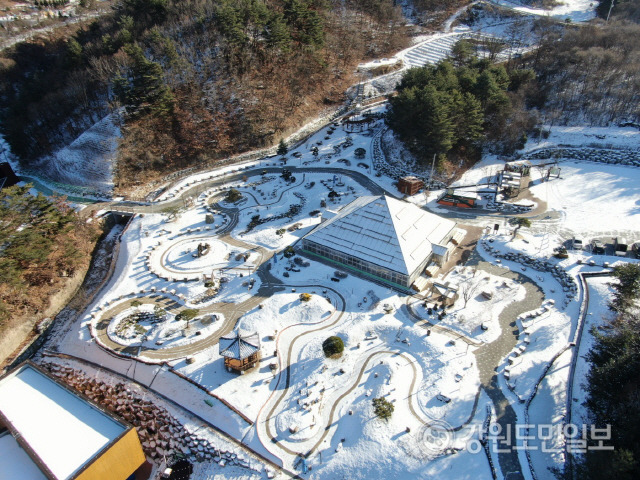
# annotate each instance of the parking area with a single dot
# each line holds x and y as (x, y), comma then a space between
(628, 248)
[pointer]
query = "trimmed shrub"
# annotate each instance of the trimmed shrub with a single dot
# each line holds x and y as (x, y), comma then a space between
(382, 408)
(233, 196)
(188, 314)
(333, 347)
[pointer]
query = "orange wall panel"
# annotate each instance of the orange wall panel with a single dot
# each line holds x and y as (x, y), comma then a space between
(117, 463)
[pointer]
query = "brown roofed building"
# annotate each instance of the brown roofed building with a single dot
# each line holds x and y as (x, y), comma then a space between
(410, 185)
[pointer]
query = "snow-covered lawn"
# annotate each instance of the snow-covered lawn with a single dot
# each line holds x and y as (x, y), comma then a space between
(594, 197)
(277, 313)
(474, 314)
(575, 10)
(310, 403)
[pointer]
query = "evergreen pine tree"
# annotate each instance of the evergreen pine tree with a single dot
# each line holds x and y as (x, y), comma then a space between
(468, 118)
(437, 124)
(462, 53)
(282, 148)
(277, 33)
(144, 91)
(74, 52)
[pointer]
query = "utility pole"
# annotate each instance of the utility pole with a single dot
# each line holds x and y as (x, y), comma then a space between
(610, 8)
(433, 164)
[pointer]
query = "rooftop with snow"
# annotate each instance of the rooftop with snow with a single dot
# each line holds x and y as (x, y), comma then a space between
(50, 427)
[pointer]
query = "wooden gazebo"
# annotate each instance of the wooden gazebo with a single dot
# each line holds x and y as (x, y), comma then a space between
(240, 351)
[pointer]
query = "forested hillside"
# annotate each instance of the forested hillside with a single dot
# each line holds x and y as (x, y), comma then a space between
(194, 80)
(432, 12)
(42, 241)
(589, 73)
(622, 9)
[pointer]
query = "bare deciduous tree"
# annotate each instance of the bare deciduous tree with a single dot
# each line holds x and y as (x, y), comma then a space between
(469, 287)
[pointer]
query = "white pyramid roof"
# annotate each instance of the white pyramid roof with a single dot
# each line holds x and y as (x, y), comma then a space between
(384, 231)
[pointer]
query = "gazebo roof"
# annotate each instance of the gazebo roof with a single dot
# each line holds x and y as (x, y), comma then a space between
(239, 346)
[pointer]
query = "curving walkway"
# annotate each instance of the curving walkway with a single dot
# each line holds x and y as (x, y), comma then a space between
(492, 355)
(160, 355)
(334, 405)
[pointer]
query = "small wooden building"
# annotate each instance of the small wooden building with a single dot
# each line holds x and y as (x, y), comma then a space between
(444, 293)
(240, 351)
(410, 185)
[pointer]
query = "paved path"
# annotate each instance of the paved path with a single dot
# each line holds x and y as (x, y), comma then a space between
(157, 207)
(232, 312)
(489, 357)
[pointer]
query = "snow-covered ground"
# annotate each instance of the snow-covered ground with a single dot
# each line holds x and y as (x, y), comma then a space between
(474, 314)
(582, 135)
(575, 10)
(548, 407)
(594, 198)
(415, 367)
(598, 314)
(89, 159)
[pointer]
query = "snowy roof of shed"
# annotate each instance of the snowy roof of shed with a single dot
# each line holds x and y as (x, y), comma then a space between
(62, 430)
(447, 290)
(239, 346)
(384, 231)
(14, 461)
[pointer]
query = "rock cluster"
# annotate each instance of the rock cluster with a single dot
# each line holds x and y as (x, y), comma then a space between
(509, 207)
(620, 156)
(162, 436)
(294, 210)
(568, 283)
(384, 166)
